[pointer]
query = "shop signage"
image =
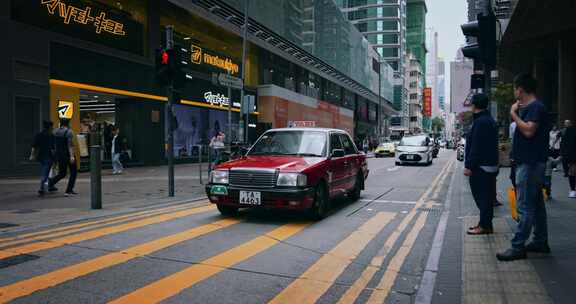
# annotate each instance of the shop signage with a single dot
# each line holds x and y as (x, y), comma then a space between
(101, 22)
(85, 15)
(217, 99)
(230, 81)
(428, 102)
(200, 56)
(65, 109)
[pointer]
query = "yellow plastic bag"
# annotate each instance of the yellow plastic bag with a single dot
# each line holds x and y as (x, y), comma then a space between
(512, 203)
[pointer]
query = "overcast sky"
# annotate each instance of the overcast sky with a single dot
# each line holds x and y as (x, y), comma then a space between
(446, 16)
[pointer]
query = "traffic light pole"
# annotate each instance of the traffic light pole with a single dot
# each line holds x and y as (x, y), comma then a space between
(243, 72)
(170, 117)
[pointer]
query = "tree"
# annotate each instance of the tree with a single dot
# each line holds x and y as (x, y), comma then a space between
(437, 125)
(504, 97)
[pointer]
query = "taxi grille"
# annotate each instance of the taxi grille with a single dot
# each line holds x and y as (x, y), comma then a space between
(260, 179)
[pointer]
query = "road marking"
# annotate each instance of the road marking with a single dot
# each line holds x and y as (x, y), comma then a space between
(40, 235)
(377, 262)
(43, 245)
(174, 284)
(383, 288)
(428, 281)
(318, 278)
(388, 201)
(27, 287)
(393, 169)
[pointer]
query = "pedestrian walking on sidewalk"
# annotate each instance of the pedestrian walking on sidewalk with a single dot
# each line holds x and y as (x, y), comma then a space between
(481, 163)
(564, 147)
(570, 145)
(65, 157)
(43, 152)
(530, 152)
(117, 150)
(217, 145)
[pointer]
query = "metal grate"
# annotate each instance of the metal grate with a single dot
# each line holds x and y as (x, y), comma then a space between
(253, 178)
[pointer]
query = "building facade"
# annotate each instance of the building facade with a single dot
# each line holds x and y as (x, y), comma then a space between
(414, 77)
(383, 22)
(416, 32)
(94, 61)
(461, 70)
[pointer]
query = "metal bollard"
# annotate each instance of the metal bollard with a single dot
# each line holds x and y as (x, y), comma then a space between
(200, 163)
(95, 177)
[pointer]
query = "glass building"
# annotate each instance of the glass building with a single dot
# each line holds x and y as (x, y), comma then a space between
(383, 23)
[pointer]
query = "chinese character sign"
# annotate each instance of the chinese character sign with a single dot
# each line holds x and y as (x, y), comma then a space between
(428, 102)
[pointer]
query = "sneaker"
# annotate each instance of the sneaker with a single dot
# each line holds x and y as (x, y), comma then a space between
(531, 247)
(68, 193)
(511, 255)
(572, 194)
(52, 189)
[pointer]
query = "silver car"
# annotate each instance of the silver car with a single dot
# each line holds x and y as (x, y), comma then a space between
(414, 150)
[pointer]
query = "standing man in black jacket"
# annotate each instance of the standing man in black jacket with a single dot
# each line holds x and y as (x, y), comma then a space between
(481, 163)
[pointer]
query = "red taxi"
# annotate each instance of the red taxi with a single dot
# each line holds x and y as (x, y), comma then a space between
(291, 168)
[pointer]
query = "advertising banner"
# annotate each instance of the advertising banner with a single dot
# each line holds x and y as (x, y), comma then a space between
(428, 102)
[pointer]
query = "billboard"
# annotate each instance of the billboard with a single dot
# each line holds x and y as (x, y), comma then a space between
(428, 102)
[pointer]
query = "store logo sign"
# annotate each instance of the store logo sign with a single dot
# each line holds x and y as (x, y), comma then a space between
(65, 109)
(216, 99)
(198, 56)
(84, 16)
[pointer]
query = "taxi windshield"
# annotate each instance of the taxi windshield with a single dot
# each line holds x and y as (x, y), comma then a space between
(298, 143)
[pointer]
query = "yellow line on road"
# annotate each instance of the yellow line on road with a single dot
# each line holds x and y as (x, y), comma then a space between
(54, 243)
(27, 287)
(50, 233)
(387, 281)
(360, 284)
(317, 279)
(174, 284)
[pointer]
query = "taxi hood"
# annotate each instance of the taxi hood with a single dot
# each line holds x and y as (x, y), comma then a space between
(282, 163)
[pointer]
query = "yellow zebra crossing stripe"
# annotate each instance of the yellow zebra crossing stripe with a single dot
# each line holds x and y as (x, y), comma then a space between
(318, 278)
(60, 231)
(174, 284)
(93, 234)
(27, 287)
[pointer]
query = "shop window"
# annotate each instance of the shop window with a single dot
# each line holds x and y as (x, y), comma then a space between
(27, 124)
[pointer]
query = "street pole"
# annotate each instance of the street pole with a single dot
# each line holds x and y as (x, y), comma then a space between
(229, 135)
(95, 175)
(169, 116)
(379, 101)
(243, 70)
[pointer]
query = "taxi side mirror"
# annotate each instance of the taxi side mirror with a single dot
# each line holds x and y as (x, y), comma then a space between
(337, 153)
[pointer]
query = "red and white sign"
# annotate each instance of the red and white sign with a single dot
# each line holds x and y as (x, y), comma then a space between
(302, 124)
(427, 102)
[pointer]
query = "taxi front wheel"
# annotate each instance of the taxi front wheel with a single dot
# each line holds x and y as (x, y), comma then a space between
(227, 210)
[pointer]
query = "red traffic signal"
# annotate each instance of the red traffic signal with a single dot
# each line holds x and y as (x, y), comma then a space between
(164, 58)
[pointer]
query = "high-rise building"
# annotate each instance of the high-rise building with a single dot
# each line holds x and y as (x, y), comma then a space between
(441, 87)
(432, 72)
(416, 31)
(383, 22)
(414, 77)
(460, 71)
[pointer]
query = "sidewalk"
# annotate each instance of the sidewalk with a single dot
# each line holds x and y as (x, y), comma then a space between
(138, 187)
(469, 271)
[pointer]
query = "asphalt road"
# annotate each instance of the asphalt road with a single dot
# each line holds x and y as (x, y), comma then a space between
(370, 251)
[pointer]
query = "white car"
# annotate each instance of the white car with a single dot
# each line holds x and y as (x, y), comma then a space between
(414, 150)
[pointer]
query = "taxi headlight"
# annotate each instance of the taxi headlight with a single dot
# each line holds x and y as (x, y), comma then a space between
(292, 180)
(219, 177)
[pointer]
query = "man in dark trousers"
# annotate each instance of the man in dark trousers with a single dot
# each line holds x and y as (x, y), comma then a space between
(530, 152)
(481, 163)
(64, 143)
(43, 152)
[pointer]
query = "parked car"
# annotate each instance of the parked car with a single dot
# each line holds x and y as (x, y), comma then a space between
(414, 150)
(291, 169)
(385, 149)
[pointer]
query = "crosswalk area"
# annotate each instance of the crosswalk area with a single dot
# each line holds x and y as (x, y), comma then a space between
(191, 254)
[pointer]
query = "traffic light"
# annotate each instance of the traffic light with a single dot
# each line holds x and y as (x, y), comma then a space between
(170, 66)
(484, 49)
(163, 73)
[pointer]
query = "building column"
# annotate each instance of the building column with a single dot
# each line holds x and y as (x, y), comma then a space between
(566, 80)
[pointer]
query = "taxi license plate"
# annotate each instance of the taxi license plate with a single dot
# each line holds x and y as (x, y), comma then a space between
(410, 157)
(250, 198)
